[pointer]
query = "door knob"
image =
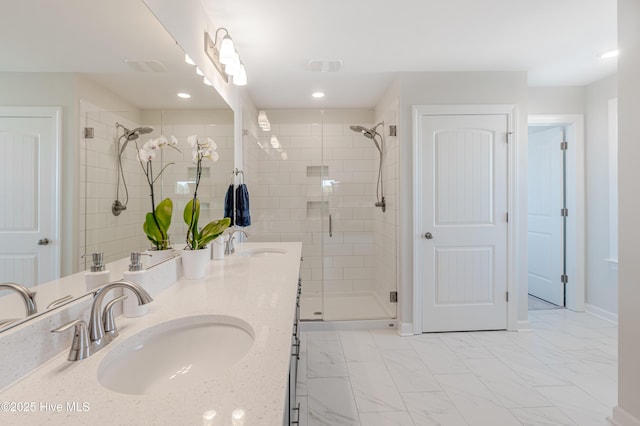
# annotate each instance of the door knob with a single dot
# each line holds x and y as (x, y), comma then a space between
(428, 236)
(44, 241)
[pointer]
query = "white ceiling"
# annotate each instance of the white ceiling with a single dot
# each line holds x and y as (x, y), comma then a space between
(557, 41)
(95, 37)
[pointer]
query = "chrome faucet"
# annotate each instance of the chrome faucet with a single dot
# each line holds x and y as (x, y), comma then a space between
(229, 249)
(96, 327)
(102, 326)
(29, 297)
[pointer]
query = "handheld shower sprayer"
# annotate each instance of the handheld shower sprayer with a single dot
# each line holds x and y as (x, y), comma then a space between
(371, 134)
(127, 135)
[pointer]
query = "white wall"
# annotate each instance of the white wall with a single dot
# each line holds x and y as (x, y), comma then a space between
(556, 100)
(602, 276)
(627, 412)
(457, 89)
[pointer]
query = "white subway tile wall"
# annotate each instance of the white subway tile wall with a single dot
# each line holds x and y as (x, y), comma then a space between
(116, 236)
(317, 170)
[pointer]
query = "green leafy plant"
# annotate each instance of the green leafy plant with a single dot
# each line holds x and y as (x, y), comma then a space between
(158, 220)
(156, 224)
(199, 238)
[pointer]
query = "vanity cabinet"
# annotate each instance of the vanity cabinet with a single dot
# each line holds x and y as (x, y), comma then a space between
(293, 407)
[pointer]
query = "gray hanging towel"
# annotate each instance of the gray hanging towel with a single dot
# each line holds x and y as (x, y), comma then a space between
(243, 216)
(228, 204)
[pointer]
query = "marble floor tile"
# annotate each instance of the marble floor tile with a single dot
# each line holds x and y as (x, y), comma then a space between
(390, 418)
(601, 387)
(373, 387)
(325, 357)
(542, 416)
(563, 372)
(525, 365)
(388, 339)
(408, 371)
(437, 356)
(477, 404)
(330, 402)
(581, 407)
(509, 388)
(359, 346)
(465, 346)
(432, 408)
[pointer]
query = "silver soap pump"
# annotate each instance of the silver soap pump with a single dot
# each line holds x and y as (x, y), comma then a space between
(138, 275)
(97, 275)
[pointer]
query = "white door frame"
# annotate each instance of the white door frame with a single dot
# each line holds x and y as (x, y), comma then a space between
(512, 242)
(54, 113)
(575, 287)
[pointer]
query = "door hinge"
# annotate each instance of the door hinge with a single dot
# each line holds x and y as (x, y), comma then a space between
(564, 146)
(88, 133)
(564, 212)
(507, 217)
(393, 296)
(564, 278)
(509, 136)
(507, 296)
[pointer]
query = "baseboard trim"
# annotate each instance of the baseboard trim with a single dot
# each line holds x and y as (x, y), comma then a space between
(406, 329)
(621, 417)
(524, 326)
(601, 313)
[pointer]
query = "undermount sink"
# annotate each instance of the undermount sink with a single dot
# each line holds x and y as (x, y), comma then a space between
(176, 355)
(262, 252)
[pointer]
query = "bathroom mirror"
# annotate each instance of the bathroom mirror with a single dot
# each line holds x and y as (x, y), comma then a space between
(105, 63)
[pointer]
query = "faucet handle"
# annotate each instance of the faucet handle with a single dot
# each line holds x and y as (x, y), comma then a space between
(80, 345)
(107, 316)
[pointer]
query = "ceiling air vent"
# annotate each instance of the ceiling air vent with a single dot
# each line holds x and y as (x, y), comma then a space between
(317, 65)
(152, 65)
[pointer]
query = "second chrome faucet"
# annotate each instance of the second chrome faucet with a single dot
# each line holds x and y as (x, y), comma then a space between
(88, 341)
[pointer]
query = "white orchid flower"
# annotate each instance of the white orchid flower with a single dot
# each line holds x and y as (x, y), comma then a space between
(192, 141)
(174, 141)
(162, 141)
(151, 145)
(145, 155)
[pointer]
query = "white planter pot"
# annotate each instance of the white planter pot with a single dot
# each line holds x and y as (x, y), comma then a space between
(194, 263)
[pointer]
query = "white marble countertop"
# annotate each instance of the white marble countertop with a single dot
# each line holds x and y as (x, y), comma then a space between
(259, 290)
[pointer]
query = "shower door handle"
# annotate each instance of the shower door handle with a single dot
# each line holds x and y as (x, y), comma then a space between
(330, 227)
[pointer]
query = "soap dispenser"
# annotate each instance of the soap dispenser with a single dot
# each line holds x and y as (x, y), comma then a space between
(137, 275)
(97, 275)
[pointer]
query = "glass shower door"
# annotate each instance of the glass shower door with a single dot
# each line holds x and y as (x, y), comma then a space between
(354, 288)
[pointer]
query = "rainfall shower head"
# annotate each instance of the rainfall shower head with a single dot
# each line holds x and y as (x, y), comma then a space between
(135, 133)
(368, 133)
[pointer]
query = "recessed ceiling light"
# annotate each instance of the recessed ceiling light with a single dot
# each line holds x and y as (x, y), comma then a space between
(610, 54)
(184, 95)
(318, 95)
(206, 81)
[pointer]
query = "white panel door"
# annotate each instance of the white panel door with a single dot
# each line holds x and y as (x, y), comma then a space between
(464, 207)
(545, 234)
(29, 246)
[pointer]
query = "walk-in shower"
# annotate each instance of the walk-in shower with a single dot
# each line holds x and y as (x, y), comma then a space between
(371, 134)
(121, 145)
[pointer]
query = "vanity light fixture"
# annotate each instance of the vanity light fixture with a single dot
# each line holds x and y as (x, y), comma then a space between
(263, 121)
(206, 81)
(188, 59)
(225, 57)
(199, 72)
